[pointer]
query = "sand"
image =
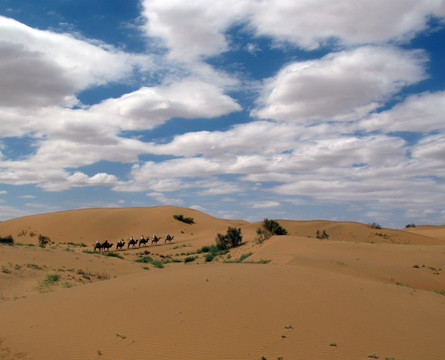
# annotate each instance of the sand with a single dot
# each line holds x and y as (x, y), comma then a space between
(360, 294)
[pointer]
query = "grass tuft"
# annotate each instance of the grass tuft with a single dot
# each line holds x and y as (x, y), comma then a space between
(149, 260)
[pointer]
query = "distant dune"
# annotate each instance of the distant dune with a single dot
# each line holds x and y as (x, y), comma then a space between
(357, 293)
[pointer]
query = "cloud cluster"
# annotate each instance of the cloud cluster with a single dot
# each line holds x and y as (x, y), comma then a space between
(190, 30)
(340, 86)
(328, 128)
(42, 68)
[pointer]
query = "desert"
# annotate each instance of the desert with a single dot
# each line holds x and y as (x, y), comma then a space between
(359, 292)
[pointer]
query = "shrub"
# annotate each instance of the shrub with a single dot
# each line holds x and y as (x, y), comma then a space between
(268, 229)
(209, 257)
(51, 278)
(111, 254)
(187, 220)
(221, 242)
(189, 259)
(22, 233)
(7, 240)
(240, 260)
(410, 225)
(149, 260)
(204, 249)
(323, 235)
(274, 227)
(43, 240)
(374, 225)
(232, 238)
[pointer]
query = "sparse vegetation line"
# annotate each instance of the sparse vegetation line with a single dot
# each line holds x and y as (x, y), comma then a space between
(187, 220)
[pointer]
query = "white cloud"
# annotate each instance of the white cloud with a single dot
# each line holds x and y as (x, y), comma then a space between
(310, 24)
(241, 139)
(431, 151)
(265, 204)
(340, 86)
(193, 29)
(150, 107)
(418, 113)
(9, 212)
(160, 197)
(41, 68)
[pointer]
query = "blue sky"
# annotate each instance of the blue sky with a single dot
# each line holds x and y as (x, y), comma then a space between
(241, 109)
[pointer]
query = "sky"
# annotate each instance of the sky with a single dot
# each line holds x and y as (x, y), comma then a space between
(242, 109)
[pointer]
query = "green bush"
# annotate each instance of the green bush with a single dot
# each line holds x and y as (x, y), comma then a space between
(374, 225)
(51, 278)
(7, 240)
(187, 220)
(43, 240)
(149, 260)
(189, 259)
(204, 249)
(274, 227)
(232, 238)
(209, 257)
(410, 225)
(268, 229)
(111, 254)
(221, 242)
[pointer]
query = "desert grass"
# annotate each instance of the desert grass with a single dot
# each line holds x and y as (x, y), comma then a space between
(35, 266)
(46, 285)
(150, 260)
(5, 270)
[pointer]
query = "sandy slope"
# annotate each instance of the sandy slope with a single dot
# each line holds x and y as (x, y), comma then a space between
(355, 295)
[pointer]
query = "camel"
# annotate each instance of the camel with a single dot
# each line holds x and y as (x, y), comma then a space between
(143, 241)
(154, 240)
(106, 245)
(120, 245)
(132, 242)
(168, 238)
(97, 246)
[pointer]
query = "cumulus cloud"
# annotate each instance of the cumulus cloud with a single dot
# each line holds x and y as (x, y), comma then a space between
(190, 30)
(310, 24)
(418, 113)
(150, 107)
(41, 68)
(340, 86)
(323, 134)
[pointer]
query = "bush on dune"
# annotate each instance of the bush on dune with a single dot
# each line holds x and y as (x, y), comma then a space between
(232, 238)
(7, 240)
(269, 228)
(43, 240)
(187, 220)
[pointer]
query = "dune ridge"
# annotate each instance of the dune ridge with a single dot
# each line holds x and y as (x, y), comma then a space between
(359, 293)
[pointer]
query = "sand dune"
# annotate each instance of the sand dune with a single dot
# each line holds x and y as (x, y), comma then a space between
(362, 293)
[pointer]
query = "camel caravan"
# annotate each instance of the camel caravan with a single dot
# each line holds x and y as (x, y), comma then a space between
(106, 246)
